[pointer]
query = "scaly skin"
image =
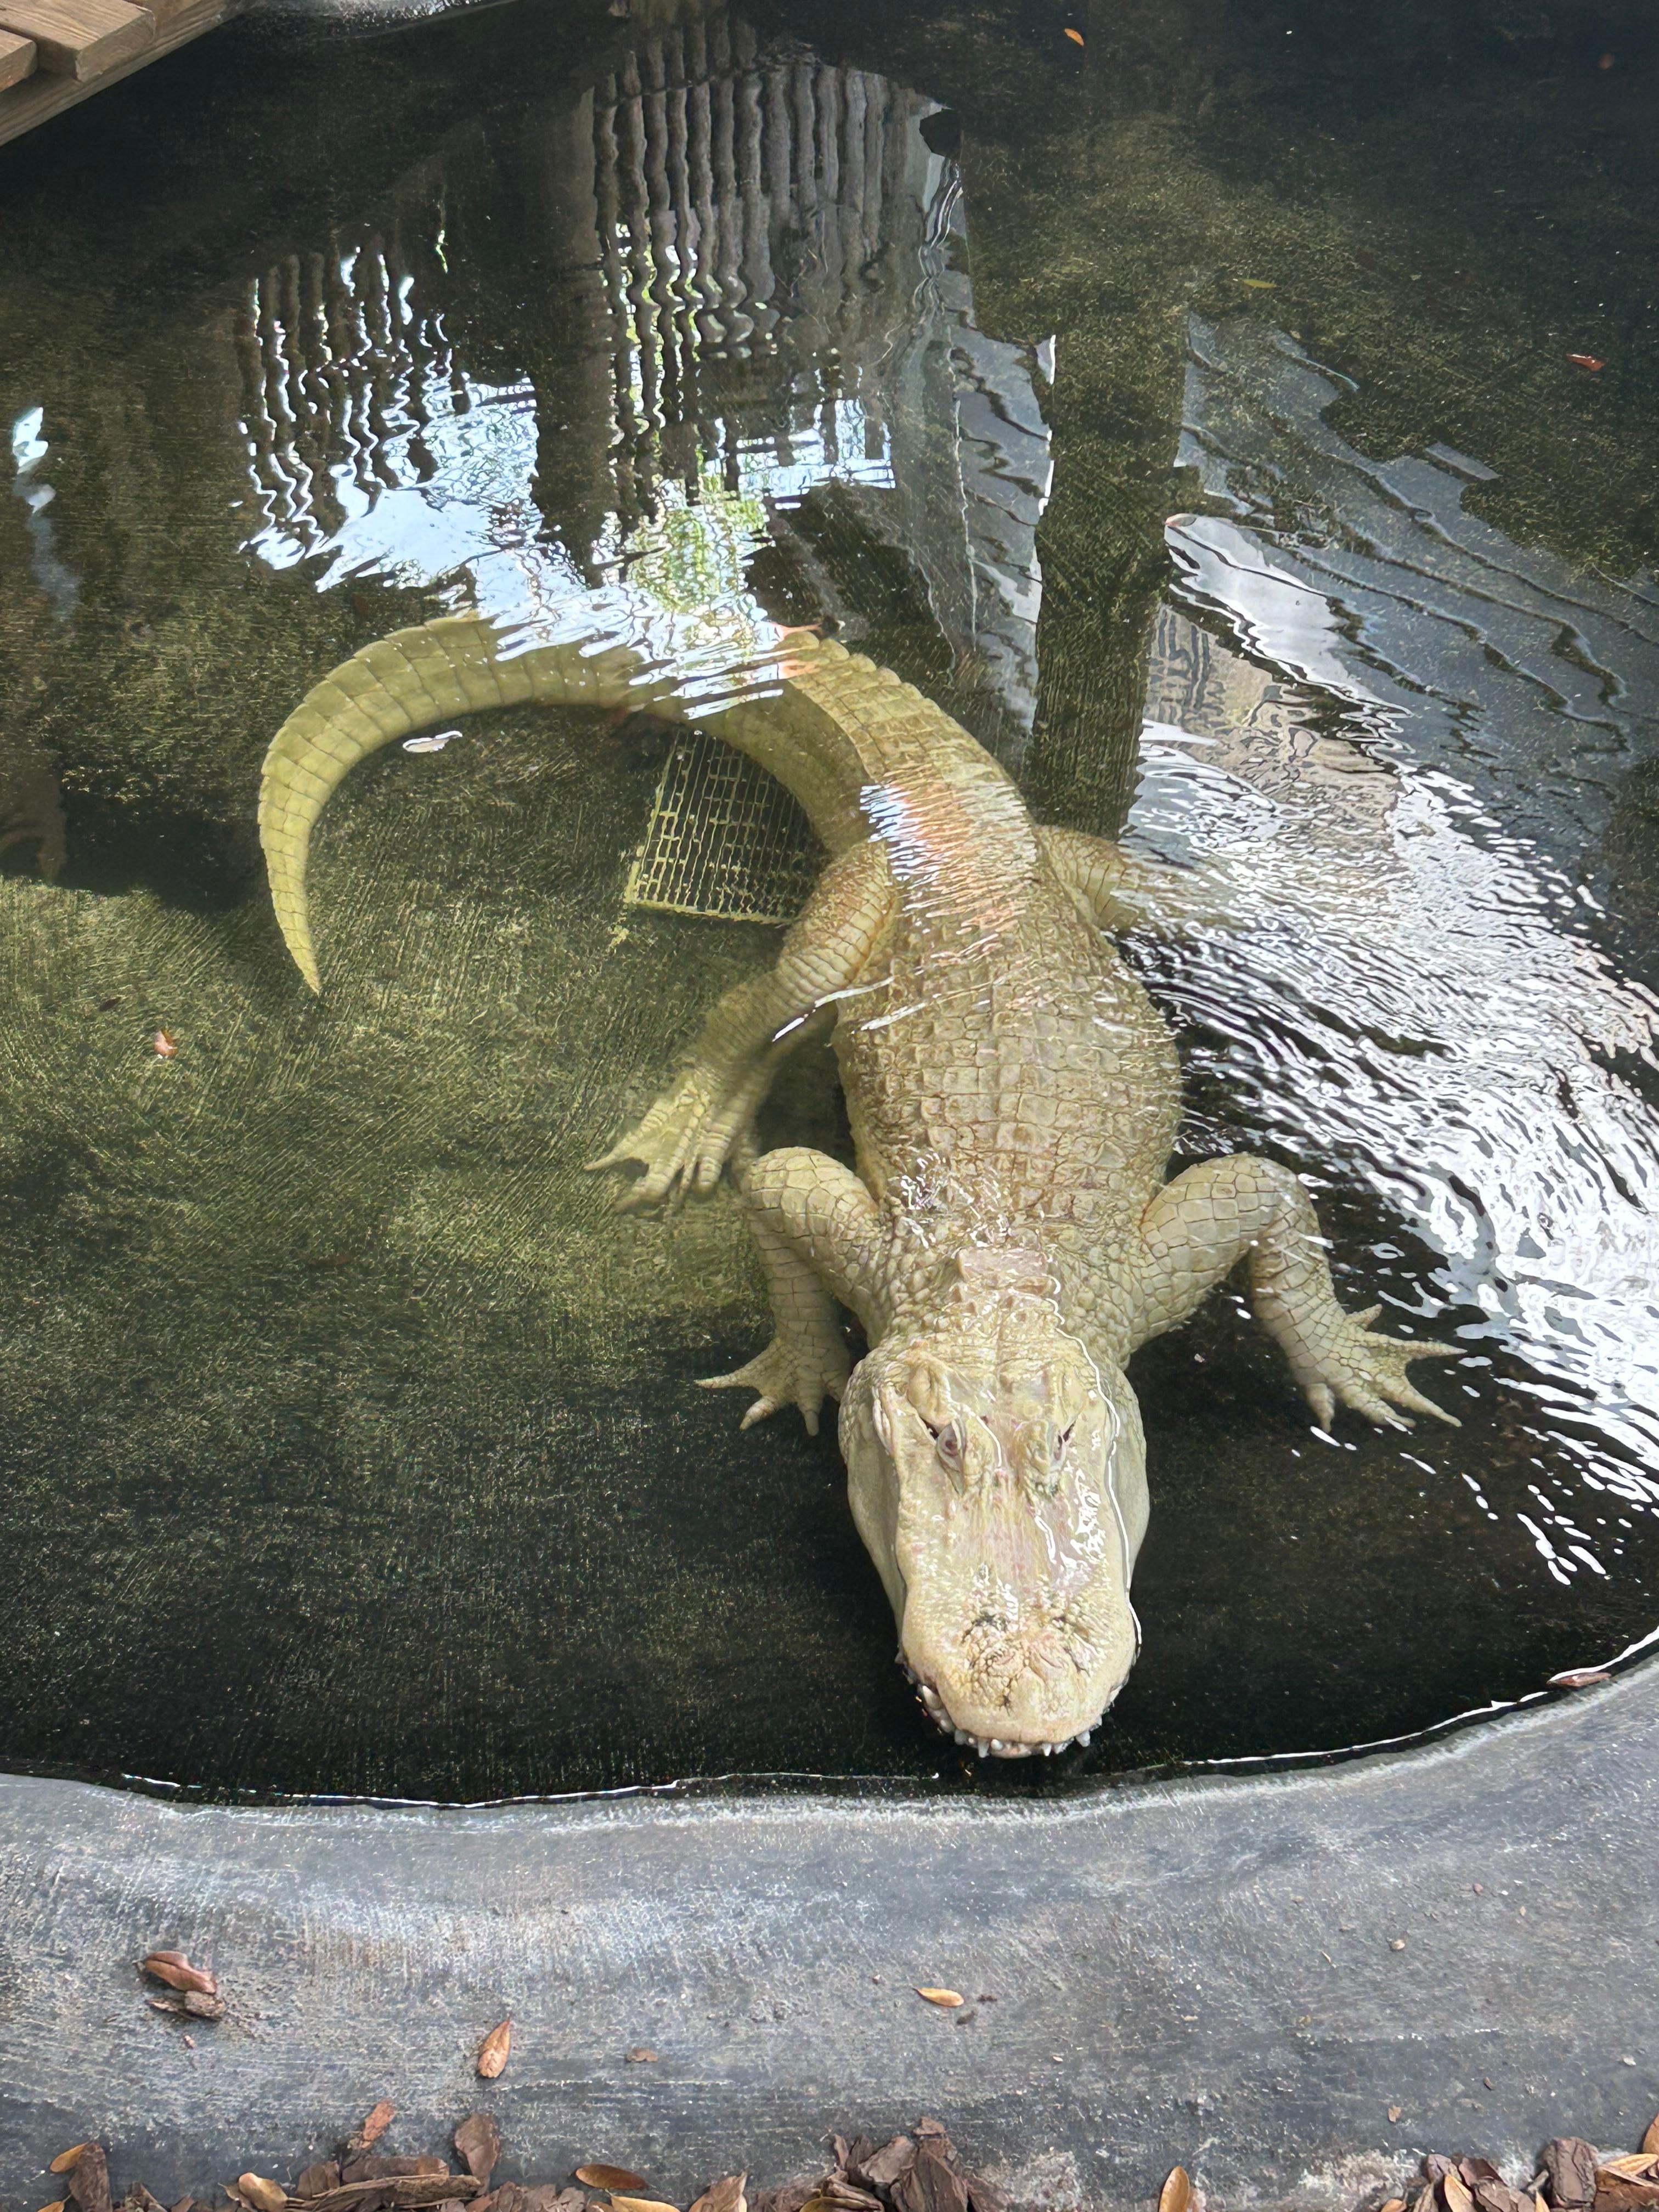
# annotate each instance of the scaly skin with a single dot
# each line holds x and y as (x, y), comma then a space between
(1009, 1237)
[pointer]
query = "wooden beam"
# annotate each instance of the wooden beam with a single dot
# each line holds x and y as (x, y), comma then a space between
(28, 105)
(16, 58)
(80, 38)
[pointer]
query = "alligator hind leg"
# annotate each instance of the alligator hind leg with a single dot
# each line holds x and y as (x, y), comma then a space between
(1119, 890)
(1202, 1224)
(686, 1138)
(815, 1227)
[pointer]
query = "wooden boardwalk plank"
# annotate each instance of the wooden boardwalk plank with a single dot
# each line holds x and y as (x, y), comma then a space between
(26, 105)
(16, 58)
(80, 38)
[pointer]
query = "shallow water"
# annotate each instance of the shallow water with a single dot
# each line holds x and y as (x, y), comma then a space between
(1195, 422)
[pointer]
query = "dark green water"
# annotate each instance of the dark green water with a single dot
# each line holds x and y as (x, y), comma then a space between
(1190, 410)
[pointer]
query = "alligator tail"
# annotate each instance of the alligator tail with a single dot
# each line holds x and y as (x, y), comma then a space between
(400, 685)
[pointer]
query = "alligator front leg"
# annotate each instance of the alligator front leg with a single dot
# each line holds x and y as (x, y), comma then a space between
(686, 1138)
(815, 1227)
(1198, 1228)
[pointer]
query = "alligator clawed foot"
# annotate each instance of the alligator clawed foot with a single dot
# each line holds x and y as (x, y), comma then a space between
(781, 1378)
(680, 1144)
(1368, 1373)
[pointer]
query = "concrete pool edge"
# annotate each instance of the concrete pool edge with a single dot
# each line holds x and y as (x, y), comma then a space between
(1246, 1972)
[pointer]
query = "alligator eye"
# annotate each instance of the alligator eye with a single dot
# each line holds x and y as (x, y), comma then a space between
(949, 1440)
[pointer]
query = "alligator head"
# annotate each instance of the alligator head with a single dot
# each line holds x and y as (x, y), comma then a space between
(997, 1474)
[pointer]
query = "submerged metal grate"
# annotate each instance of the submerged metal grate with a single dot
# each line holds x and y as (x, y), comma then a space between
(725, 840)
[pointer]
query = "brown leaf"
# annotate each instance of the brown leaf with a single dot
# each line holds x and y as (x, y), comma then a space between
(165, 1043)
(1617, 2192)
(1650, 2140)
(982, 2197)
(495, 2050)
(176, 1971)
(1455, 2190)
(597, 2176)
(1568, 2165)
(839, 2194)
(65, 2159)
(1398, 2202)
(1395, 2204)
(264, 2196)
(409, 2190)
(1632, 2165)
(641, 2055)
(479, 2142)
(390, 2169)
(930, 2186)
(326, 2174)
(138, 2199)
(1579, 1678)
(379, 2119)
(948, 1998)
(89, 2178)
(886, 2166)
(640, 2205)
(1586, 361)
(1177, 2194)
(58, 2204)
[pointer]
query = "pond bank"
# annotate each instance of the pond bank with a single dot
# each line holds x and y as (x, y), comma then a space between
(1255, 1969)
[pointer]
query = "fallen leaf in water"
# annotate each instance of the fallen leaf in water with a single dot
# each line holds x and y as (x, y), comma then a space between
(166, 1046)
(1456, 2192)
(1395, 2204)
(1632, 2165)
(610, 2176)
(1586, 361)
(641, 2204)
(379, 2120)
(65, 2159)
(1076, 37)
(434, 743)
(948, 1998)
(58, 2204)
(1578, 1678)
(494, 2050)
(1650, 2140)
(264, 2196)
(318, 2179)
(1176, 2193)
(642, 2055)
(1395, 2110)
(1258, 283)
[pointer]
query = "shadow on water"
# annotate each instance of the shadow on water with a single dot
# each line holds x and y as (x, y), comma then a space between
(349, 1441)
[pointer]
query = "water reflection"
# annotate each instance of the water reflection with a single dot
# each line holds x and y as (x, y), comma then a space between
(756, 278)
(323, 1307)
(1414, 812)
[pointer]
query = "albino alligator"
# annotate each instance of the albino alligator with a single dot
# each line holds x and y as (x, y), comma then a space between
(1009, 1237)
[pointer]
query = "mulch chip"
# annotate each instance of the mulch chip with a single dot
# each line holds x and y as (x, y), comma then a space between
(920, 2171)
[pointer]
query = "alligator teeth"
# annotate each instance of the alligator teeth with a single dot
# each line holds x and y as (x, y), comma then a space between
(1085, 1735)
